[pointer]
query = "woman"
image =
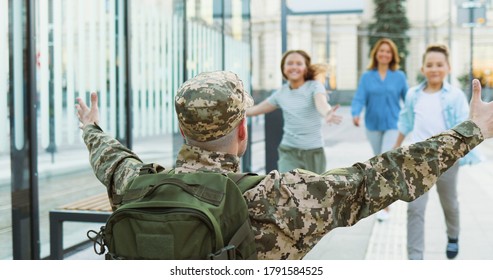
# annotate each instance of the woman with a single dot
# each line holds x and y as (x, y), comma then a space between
(304, 104)
(380, 91)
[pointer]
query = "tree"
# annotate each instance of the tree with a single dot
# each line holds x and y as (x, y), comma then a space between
(391, 22)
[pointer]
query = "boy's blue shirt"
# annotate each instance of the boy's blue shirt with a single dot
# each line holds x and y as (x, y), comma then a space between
(381, 99)
(455, 109)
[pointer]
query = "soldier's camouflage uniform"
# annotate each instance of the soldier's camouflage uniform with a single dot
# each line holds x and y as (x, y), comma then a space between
(290, 212)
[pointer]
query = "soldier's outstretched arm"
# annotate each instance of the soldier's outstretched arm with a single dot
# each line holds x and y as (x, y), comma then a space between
(408, 172)
(113, 164)
(300, 207)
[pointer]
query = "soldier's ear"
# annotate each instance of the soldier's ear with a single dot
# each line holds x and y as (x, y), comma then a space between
(242, 129)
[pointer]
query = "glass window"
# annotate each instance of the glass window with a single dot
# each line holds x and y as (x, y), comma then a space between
(237, 39)
(157, 72)
(483, 61)
(77, 54)
(80, 48)
(5, 178)
(204, 37)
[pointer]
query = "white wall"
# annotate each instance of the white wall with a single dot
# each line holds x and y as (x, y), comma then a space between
(306, 33)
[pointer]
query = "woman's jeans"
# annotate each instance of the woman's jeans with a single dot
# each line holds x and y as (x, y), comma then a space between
(382, 140)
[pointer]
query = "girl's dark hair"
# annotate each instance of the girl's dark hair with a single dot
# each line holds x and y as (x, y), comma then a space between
(309, 71)
(437, 48)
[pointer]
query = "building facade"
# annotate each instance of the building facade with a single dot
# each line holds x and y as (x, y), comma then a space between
(347, 52)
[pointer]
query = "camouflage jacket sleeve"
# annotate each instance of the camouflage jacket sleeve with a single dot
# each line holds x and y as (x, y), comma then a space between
(113, 164)
(292, 211)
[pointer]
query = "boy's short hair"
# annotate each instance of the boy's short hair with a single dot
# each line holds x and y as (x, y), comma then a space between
(440, 48)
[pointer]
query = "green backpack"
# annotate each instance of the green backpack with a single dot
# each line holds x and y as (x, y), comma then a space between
(181, 216)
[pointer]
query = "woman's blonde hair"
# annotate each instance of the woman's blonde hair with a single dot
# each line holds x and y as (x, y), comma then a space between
(394, 63)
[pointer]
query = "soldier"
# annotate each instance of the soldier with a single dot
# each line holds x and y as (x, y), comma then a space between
(289, 212)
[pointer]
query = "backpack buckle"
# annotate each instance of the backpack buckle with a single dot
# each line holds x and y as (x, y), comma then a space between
(226, 253)
(98, 239)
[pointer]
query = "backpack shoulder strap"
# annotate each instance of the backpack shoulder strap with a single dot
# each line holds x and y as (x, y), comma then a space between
(150, 168)
(245, 181)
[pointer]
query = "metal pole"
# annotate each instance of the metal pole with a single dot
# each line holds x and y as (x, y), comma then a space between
(185, 44)
(274, 120)
(177, 140)
(284, 13)
(449, 32)
(246, 160)
(223, 36)
(23, 152)
(51, 98)
(32, 134)
(426, 23)
(471, 21)
(471, 76)
(327, 39)
(128, 78)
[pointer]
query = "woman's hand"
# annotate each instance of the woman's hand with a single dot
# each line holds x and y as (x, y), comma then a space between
(356, 121)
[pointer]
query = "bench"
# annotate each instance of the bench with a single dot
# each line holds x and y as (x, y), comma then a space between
(94, 209)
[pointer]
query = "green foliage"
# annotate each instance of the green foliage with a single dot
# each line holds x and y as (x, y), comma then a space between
(420, 78)
(391, 22)
(464, 81)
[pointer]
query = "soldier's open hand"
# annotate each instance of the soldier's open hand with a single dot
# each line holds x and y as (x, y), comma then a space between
(481, 113)
(85, 114)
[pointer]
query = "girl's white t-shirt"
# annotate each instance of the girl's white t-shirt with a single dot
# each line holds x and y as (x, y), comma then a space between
(428, 116)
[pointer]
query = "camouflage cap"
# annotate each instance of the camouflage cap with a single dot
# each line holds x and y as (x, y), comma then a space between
(211, 105)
